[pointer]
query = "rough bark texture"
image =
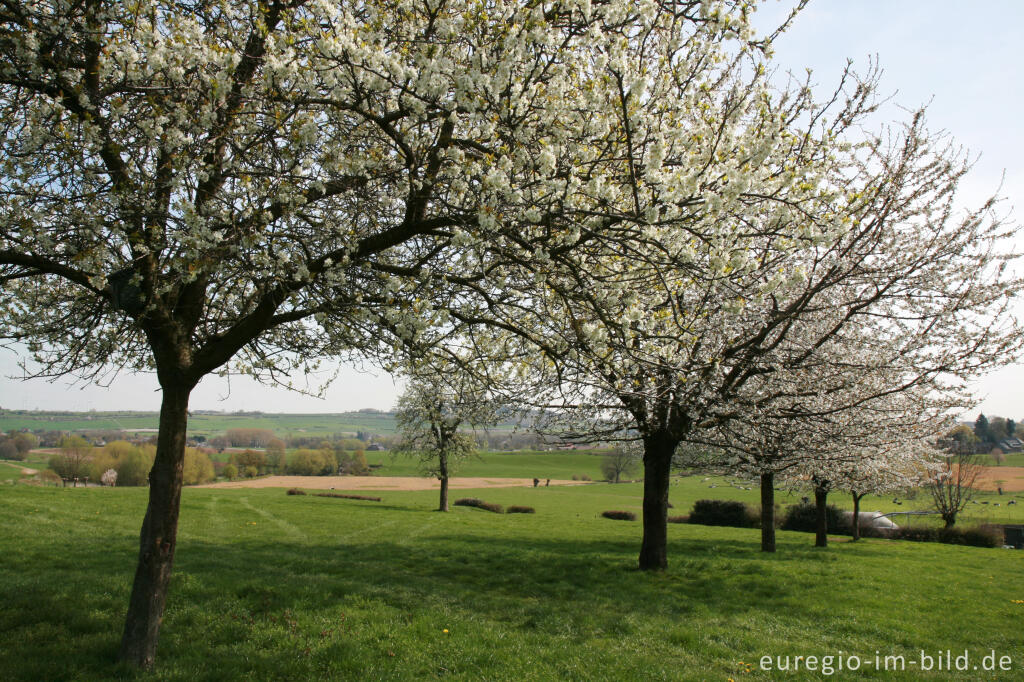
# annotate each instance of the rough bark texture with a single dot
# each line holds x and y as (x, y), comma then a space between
(856, 516)
(159, 533)
(821, 517)
(657, 468)
(443, 471)
(768, 512)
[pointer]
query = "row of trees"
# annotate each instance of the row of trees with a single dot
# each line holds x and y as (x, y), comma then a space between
(611, 203)
(321, 461)
(267, 440)
(131, 464)
(16, 445)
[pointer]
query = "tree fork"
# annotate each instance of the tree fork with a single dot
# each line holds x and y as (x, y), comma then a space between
(157, 539)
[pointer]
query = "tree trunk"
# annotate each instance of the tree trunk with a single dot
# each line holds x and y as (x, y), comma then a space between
(856, 516)
(821, 518)
(950, 519)
(768, 512)
(657, 469)
(159, 532)
(443, 471)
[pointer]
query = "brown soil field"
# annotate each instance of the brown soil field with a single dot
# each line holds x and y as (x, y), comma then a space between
(379, 483)
(1012, 479)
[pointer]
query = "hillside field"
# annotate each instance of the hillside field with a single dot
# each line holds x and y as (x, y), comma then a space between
(271, 586)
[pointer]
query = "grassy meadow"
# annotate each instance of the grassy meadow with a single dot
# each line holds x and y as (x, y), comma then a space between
(271, 586)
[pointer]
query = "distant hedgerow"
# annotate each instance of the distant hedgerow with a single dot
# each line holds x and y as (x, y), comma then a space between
(349, 497)
(296, 491)
(479, 504)
(979, 536)
(679, 519)
(580, 477)
(517, 509)
(619, 515)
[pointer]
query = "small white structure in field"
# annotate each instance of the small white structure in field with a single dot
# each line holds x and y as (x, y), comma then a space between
(872, 520)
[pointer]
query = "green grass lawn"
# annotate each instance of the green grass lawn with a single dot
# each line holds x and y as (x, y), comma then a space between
(1010, 459)
(270, 586)
(10, 471)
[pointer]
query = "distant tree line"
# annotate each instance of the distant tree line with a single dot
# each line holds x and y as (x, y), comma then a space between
(995, 430)
(78, 459)
(16, 445)
(326, 460)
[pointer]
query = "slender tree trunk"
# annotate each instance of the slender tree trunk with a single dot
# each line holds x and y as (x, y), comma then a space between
(159, 532)
(950, 519)
(657, 469)
(821, 518)
(443, 470)
(768, 512)
(856, 516)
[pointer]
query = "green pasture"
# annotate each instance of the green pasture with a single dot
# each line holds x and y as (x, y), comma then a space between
(1010, 459)
(9, 471)
(271, 586)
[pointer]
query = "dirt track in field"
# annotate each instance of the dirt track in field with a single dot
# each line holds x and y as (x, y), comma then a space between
(24, 469)
(1012, 479)
(380, 483)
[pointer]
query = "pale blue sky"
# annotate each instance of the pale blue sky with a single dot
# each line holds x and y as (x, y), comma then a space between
(963, 59)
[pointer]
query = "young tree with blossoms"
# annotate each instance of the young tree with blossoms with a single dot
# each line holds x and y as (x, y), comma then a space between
(762, 446)
(888, 468)
(844, 419)
(249, 186)
(880, 445)
(440, 402)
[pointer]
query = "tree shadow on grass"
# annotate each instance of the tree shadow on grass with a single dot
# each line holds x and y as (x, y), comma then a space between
(64, 623)
(490, 577)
